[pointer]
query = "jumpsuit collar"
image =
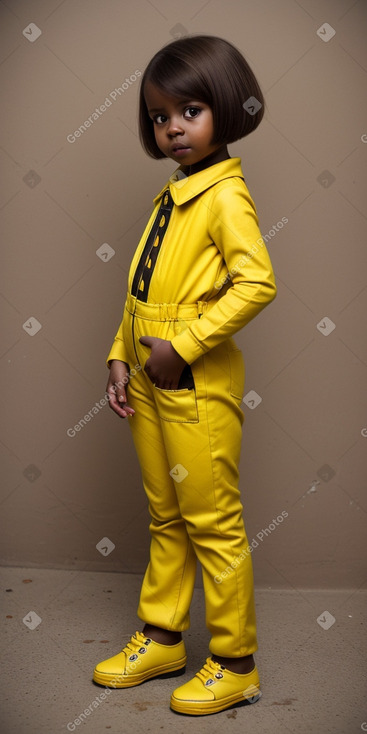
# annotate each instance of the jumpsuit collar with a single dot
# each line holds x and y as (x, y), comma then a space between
(183, 188)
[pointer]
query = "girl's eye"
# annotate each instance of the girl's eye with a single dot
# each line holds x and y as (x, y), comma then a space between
(189, 113)
(194, 112)
(158, 119)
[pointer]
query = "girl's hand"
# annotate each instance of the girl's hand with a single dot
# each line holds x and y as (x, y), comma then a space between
(165, 365)
(116, 388)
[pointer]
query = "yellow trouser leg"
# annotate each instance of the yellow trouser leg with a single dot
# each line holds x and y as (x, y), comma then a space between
(196, 434)
(169, 579)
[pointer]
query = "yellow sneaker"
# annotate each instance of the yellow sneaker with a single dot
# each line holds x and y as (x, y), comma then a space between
(215, 688)
(141, 659)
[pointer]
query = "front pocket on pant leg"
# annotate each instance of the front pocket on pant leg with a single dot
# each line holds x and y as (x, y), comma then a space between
(179, 406)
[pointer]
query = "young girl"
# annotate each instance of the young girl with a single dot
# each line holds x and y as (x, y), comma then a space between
(200, 273)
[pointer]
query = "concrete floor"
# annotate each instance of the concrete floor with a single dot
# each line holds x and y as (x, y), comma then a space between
(313, 676)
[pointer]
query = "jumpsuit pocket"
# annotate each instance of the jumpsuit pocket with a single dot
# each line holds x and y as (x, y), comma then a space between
(179, 406)
(237, 373)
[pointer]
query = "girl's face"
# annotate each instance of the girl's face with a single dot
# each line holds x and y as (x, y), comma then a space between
(183, 127)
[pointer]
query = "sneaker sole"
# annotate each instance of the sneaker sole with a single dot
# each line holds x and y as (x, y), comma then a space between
(115, 681)
(211, 707)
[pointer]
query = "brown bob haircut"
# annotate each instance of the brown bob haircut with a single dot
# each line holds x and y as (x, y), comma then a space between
(210, 70)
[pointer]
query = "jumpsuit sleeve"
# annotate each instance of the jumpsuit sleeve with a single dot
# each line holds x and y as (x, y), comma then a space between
(118, 350)
(234, 229)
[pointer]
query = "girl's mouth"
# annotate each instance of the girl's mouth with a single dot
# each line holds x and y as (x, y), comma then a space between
(180, 150)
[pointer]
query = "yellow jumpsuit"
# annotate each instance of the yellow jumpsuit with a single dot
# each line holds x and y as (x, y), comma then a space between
(211, 276)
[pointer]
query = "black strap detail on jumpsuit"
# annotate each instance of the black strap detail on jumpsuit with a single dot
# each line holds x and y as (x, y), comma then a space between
(146, 265)
(143, 273)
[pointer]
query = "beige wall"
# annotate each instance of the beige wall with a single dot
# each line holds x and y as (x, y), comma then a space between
(304, 445)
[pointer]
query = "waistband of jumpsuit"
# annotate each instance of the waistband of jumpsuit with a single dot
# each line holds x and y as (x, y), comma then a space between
(165, 311)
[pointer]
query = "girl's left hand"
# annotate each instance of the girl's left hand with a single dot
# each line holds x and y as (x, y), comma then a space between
(164, 366)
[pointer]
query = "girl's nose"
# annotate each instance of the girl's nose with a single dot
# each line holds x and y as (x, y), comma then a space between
(174, 126)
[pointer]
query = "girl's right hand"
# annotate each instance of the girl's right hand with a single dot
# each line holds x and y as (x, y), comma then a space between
(117, 388)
